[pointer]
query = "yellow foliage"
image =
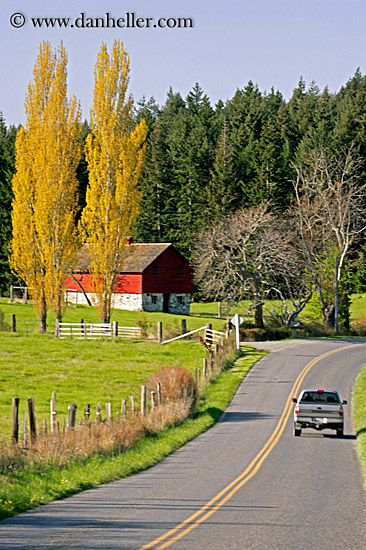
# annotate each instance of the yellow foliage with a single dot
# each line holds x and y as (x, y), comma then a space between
(48, 151)
(115, 156)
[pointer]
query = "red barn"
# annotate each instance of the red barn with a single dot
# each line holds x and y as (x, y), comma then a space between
(155, 277)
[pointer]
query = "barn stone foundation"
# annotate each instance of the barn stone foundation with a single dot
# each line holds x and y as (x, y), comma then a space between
(178, 303)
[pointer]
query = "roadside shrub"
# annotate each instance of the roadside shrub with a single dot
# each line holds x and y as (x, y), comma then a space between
(262, 334)
(253, 334)
(314, 329)
(278, 333)
(177, 385)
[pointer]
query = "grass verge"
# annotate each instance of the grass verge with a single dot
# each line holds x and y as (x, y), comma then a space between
(26, 488)
(359, 418)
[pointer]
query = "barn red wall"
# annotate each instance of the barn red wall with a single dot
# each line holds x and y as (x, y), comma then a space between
(168, 279)
(129, 283)
(85, 281)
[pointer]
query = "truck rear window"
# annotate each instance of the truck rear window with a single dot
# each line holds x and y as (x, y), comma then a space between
(319, 397)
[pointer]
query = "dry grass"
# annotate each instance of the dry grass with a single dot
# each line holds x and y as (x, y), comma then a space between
(177, 386)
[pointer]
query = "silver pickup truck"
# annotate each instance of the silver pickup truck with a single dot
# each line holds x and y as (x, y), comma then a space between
(320, 410)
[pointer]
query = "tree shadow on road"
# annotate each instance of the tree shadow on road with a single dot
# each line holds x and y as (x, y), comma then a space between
(216, 414)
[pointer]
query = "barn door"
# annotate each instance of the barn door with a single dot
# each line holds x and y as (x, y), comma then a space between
(166, 302)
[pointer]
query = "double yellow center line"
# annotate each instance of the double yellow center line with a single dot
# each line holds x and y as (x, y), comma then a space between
(179, 531)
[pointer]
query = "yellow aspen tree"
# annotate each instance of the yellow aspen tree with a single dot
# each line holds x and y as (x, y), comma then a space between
(115, 157)
(48, 151)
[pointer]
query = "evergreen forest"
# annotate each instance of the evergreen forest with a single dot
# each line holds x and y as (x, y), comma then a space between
(204, 161)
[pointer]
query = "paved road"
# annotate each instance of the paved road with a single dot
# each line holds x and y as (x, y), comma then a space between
(247, 483)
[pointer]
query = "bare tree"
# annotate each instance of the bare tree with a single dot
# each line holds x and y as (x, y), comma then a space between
(330, 212)
(247, 254)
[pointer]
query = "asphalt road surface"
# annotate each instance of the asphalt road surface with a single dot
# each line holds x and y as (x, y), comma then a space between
(247, 483)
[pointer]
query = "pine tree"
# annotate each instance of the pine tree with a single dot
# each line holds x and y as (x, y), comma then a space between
(222, 192)
(271, 158)
(7, 160)
(115, 157)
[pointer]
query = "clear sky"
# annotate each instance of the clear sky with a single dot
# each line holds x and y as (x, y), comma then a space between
(271, 42)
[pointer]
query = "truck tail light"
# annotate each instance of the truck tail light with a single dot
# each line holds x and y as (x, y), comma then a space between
(297, 409)
(341, 411)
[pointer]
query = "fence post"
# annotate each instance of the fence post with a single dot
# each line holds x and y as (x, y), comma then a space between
(108, 412)
(152, 397)
(11, 293)
(158, 389)
(204, 367)
(72, 416)
(208, 338)
(32, 419)
(15, 426)
(97, 414)
(132, 405)
(123, 409)
(143, 400)
(53, 413)
(26, 295)
(13, 323)
(217, 348)
(160, 332)
(115, 329)
(87, 413)
(219, 309)
(45, 426)
(25, 430)
(184, 326)
(58, 329)
(228, 325)
(211, 361)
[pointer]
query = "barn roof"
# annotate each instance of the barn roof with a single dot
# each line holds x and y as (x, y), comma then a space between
(137, 258)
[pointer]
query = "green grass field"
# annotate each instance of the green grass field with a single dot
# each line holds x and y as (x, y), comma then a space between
(359, 417)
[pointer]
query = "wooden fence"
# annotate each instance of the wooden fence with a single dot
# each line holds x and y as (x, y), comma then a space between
(96, 330)
(31, 430)
(210, 339)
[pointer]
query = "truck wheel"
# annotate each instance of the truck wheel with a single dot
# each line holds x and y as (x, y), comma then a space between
(297, 432)
(340, 432)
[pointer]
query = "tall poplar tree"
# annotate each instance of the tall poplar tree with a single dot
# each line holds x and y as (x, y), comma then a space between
(48, 151)
(115, 156)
